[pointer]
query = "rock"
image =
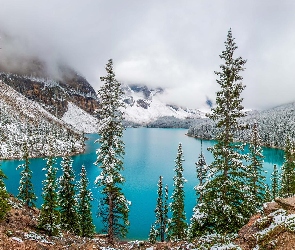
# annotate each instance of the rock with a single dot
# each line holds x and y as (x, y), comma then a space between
(270, 207)
(286, 203)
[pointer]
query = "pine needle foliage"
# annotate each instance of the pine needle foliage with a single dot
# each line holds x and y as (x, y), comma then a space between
(114, 207)
(26, 189)
(4, 196)
(67, 197)
(49, 218)
(288, 171)
(227, 198)
(166, 211)
(87, 229)
(256, 172)
(202, 171)
(196, 226)
(275, 188)
(153, 235)
(161, 211)
(177, 225)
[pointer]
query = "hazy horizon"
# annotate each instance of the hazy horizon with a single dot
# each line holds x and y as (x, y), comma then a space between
(169, 44)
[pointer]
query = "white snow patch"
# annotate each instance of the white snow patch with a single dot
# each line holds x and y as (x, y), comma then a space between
(155, 110)
(17, 239)
(80, 119)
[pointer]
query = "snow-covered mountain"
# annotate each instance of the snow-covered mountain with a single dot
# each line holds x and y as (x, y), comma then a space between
(23, 121)
(144, 106)
(80, 119)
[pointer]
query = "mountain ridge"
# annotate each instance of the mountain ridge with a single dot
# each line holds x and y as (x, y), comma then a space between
(24, 121)
(144, 107)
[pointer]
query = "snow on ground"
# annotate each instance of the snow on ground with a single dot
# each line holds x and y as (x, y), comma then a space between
(25, 122)
(80, 119)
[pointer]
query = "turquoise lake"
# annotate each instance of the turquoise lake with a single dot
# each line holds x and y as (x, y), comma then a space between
(150, 152)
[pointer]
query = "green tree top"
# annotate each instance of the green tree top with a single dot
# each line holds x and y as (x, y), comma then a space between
(114, 207)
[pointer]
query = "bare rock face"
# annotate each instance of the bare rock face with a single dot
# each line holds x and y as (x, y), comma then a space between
(52, 92)
(273, 229)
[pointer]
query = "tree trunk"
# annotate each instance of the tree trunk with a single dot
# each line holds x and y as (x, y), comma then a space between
(111, 220)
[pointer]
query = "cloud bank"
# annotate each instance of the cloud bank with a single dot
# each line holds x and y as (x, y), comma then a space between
(171, 44)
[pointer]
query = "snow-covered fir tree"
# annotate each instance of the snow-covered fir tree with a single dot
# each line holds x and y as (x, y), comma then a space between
(268, 195)
(26, 189)
(4, 196)
(177, 224)
(196, 225)
(202, 171)
(114, 207)
(67, 197)
(227, 197)
(166, 210)
(153, 235)
(275, 186)
(256, 172)
(49, 218)
(288, 171)
(161, 211)
(87, 228)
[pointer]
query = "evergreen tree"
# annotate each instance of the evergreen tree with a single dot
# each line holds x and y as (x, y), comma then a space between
(153, 235)
(197, 224)
(166, 210)
(161, 211)
(26, 189)
(288, 171)
(177, 225)
(201, 169)
(66, 197)
(49, 218)
(268, 195)
(256, 177)
(4, 196)
(227, 197)
(84, 206)
(114, 208)
(275, 183)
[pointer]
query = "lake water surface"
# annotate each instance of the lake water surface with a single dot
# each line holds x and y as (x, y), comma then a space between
(150, 152)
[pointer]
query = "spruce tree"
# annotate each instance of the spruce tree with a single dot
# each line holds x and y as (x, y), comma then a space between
(67, 197)
(288, 171)
(227, 197)
(114, 207)
(197, 221)
(268, 194)
(26, 189)
(49, 218)
(153, 235)
(4, 196)
(87, 228)
(166, 210)
(161, 211)
(202, 171)
(275, 183)
(177, 225)
(256, 176)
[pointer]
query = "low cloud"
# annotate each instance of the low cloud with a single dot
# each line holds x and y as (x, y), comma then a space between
(169, 44)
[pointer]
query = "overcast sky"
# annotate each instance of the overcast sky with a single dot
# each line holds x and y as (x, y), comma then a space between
(172, 44)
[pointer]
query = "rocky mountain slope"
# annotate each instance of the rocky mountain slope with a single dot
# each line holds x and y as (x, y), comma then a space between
(145, 107)
(274, 125)
(25, 121)
(54, 94)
